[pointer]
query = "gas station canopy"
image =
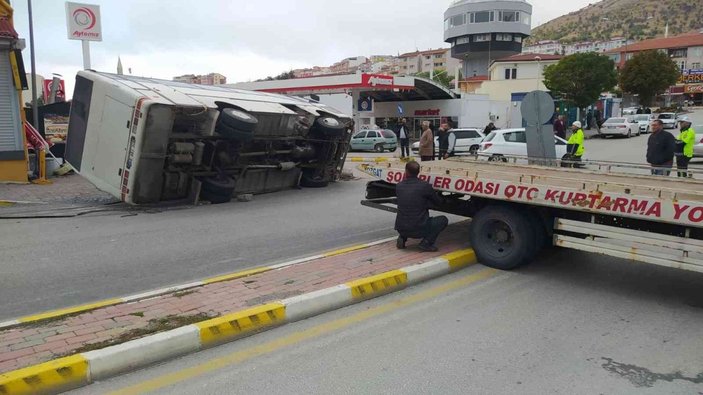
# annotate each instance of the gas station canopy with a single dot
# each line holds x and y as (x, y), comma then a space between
(382, 88)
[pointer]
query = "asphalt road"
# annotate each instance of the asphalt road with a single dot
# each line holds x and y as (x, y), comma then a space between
(52, 263)
(569, 323)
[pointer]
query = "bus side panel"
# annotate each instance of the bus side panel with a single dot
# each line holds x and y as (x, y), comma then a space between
(78, 122)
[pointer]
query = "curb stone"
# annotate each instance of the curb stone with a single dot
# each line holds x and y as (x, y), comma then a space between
(82, 369)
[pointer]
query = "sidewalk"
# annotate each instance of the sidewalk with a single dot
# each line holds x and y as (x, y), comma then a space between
(33, 343)
(70, 189)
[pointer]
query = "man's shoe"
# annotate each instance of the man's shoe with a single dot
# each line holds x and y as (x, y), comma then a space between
(400, 243)
(428, 248)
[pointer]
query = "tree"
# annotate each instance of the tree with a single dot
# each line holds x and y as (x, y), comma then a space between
(581, 78)
(648, 74)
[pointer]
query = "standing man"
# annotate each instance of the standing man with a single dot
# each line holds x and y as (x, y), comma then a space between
(446, 141)
(577, 139)
(426, 142)
(413, 219)
(598, 118)
(684, 146)
(489, 128)
(589, 119)
(402, 133)
(560, 127)
(660, 149)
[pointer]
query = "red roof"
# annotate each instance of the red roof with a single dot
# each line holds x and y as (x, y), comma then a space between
(6, 29)
(528, 57)
(680, 41)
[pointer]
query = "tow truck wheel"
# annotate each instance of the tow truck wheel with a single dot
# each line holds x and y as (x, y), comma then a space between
(502, 237)
(238, 120)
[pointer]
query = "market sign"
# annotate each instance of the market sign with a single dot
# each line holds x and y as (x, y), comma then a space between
(694, 88)
(425, 113)
(693, 76)
(83, 22)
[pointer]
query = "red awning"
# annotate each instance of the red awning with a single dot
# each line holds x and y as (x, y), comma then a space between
(6, 29)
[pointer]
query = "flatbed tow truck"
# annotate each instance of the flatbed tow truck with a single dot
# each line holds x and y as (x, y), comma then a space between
(518, 209)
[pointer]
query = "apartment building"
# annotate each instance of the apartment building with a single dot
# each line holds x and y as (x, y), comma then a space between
(207, 79)
(425, 61)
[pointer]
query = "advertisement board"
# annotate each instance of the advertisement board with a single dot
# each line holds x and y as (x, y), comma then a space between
(60, 92)
(83, 22)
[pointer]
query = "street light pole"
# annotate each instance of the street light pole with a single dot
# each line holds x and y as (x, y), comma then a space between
(35, 107)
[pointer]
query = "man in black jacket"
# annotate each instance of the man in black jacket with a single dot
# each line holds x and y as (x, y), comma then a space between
(413, 219)
(403, 135)
(660, 149)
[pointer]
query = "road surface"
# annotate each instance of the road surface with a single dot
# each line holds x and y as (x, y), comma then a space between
(570, 323)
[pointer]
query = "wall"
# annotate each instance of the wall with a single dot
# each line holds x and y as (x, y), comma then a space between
(529, 78)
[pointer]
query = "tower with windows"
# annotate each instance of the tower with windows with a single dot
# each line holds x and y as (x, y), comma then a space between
(481, 31)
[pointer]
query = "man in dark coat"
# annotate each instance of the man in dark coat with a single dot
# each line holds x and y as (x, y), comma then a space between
(413, 219)
(660, 149)
(403, 134)
(560, 127)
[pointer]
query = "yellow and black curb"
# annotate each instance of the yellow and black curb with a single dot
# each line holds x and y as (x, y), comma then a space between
(81, 369)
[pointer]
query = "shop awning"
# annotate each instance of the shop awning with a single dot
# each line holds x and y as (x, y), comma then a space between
(6, 29)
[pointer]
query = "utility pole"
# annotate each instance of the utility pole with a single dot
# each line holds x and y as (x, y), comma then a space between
(35, 107)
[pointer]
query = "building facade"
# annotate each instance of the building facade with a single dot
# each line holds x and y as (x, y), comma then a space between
(481, 31)
(556, 47)
(685, 50)
(433, 60)
(517, 74)
(206, 79)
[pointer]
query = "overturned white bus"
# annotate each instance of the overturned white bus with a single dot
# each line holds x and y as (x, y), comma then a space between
(148, 141)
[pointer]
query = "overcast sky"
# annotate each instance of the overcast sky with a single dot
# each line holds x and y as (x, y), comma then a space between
(242, 39)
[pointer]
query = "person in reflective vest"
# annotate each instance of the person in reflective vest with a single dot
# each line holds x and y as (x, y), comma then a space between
(684, 146)
(577, 138)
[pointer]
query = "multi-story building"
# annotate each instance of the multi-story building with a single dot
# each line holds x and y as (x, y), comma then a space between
(207, 79)
(686, 50)
(556, 47)
(481, 31)
(516, 74)
(425, 61)
(349, 65)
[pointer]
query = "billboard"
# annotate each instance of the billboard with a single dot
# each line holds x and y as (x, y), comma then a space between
(60, 91)
(83, 22)
(693, 76)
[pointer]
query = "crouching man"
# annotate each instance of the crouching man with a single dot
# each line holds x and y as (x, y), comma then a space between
(413, 220)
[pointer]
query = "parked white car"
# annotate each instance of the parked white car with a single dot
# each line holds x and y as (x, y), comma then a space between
(698, 148)
(503, 143)
(643, 120)
(629, 111)
(467, 141)
(668, 119)
(625, 126)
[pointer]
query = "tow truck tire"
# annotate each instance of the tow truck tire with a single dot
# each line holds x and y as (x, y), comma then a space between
(308, 180)
(329, 127)
(231, 133)
(238, 120)
(217, 189)
(502, 237)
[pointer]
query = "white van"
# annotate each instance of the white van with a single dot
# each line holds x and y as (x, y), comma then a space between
(148, 141)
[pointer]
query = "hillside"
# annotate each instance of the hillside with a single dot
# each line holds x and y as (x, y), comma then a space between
(637, 19)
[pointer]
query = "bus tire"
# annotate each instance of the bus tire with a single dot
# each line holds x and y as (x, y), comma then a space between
(308, 180)
(502, 237)
(231, 133)
(238, 120)
(329, 127)
(217, 189)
